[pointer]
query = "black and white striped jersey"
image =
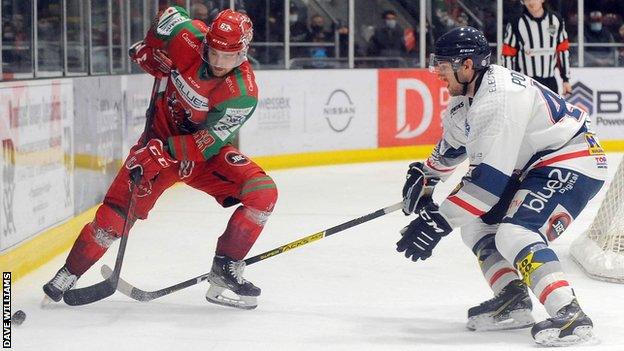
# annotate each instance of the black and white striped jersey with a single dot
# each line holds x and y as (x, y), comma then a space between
(534, 46)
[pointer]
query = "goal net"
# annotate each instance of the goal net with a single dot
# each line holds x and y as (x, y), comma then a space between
(600, 250)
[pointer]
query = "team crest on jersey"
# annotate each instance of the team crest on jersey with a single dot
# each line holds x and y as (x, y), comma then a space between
(236, 159)
(552, 30)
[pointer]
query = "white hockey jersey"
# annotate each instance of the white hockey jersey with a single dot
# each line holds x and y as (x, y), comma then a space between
(512, 125)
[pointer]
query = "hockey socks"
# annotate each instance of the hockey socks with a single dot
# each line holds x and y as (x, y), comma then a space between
(496, 270)
(541, 271)
(94, 240)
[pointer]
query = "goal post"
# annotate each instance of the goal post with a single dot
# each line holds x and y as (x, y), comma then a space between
(600, 250)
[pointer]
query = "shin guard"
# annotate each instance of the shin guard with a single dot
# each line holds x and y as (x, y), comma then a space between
(496, 270)
(241, 233)
(94, 239)
(541, 271)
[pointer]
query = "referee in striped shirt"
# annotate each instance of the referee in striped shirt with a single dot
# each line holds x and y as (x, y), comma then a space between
(535, 43)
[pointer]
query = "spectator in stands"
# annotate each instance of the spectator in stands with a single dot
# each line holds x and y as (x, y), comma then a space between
(612, 22)
(16, 55)
(620, 39)
(343, 41)
(200, 12)
(596, 33)
(318, 34)
(298, 33)
(298, 29)
(572, 26)
(317, 30)
(388, 40)
(608, 6)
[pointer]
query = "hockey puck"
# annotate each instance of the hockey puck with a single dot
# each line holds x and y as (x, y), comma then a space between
(18, 317)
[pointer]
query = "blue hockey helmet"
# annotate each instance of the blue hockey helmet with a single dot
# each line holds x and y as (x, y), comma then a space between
(459, 44)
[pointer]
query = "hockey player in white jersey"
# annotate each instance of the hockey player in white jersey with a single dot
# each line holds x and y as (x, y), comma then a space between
(533, 166)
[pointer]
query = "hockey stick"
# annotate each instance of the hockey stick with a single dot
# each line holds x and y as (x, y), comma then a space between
(107, 287)
(141, 295)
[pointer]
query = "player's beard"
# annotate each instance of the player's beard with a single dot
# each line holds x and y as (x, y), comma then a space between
(219, 71)
(455, 89)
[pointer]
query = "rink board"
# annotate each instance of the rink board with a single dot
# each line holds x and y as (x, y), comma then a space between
(62, 143)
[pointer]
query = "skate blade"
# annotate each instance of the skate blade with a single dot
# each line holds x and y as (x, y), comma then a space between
(550, 337)
(215, 295)
(517, 320)
(46, 302)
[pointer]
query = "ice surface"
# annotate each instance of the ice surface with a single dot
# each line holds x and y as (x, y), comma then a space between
(350, 291)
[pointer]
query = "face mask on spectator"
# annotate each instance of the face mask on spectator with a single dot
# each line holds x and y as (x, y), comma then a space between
(293, 18)
(316, 28)
(596, 26)
(391, 23)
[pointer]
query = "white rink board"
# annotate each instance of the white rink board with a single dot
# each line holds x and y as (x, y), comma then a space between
(602, 90)
(312, 110)
(136, 90)
(36, 130)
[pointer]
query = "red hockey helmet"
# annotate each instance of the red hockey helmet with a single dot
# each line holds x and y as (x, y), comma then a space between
(227, 40)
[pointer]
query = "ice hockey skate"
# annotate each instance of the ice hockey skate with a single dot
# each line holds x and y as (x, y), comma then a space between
(510, 309)
(57, 286)
(570, 326)
(227, 275)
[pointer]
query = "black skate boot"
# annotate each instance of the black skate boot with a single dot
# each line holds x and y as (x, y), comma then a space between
(510, 309)
(569, 326)
(228, 274)
(62, 281)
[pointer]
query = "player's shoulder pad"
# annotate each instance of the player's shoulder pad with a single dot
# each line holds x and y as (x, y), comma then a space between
(170, 19)
(201, 26)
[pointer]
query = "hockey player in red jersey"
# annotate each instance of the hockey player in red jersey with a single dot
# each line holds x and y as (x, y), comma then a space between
(210, 93)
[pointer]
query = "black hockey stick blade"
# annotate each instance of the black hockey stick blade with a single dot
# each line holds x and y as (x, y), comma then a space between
(144, 296)
(89, 294)
(141, 295)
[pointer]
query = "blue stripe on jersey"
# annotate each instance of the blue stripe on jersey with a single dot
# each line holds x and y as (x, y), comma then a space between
(489, 179)
(454, 153)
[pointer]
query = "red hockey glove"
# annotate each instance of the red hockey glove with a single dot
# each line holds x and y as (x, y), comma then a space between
(152, 61)
(150, 160)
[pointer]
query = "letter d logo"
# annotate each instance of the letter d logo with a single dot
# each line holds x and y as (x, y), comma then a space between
(403, 127)
(408, 107)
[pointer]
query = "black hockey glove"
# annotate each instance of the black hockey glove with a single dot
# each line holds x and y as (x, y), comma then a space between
(423, 233)
(417, 189)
